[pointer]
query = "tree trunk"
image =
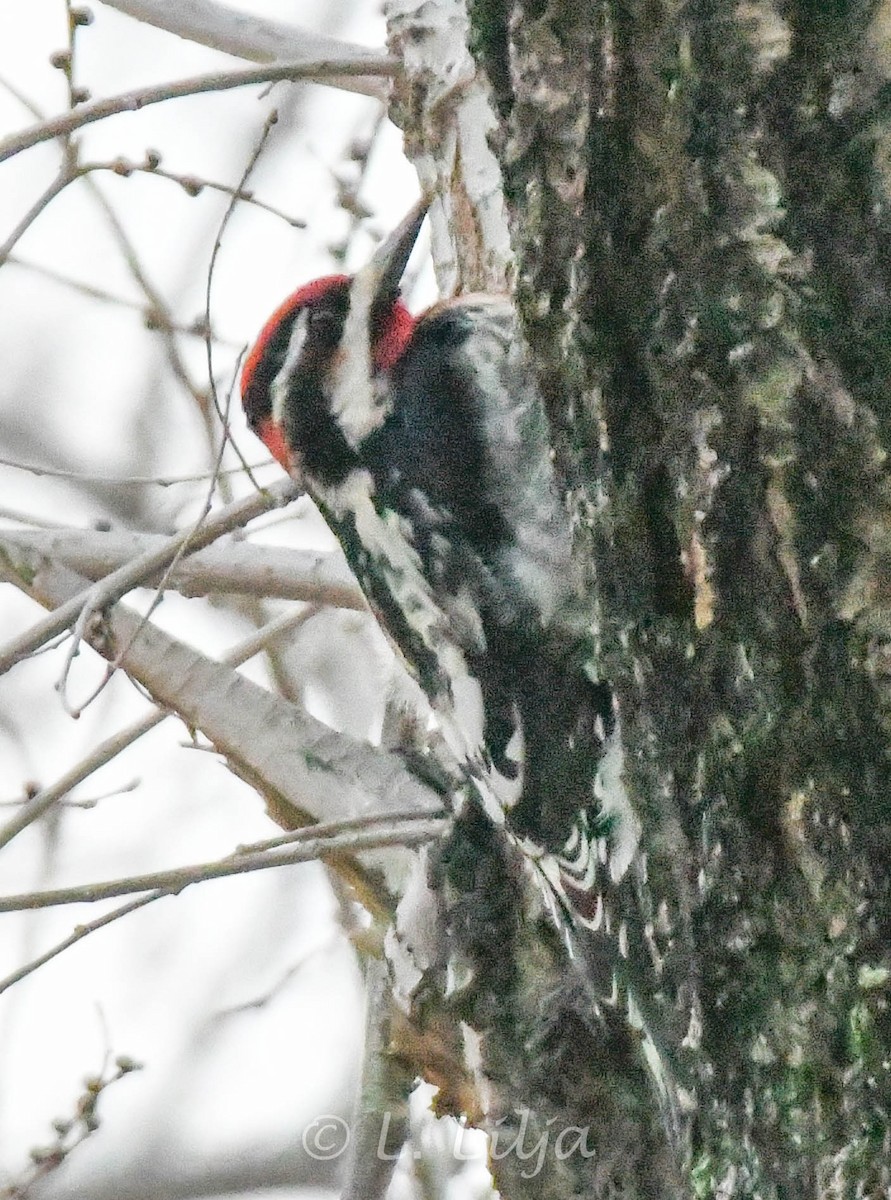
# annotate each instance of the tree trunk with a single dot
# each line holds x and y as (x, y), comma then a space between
(699, 202)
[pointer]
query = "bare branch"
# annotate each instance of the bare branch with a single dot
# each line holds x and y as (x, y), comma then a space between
(34, 808)
(192, 185)
(27, 519)
(330, 828)
(323, 71)
(113, 587)
(380, 1123)
(162, 317)
(268, 124)
(391, 821)
(415, 833)
(242, 34)
(71, 1131)
(223, 415)
(272, 572)
(24, 100)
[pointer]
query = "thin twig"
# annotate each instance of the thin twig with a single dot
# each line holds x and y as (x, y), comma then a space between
(57, 186)
(192, 185)
(327, 830)
(78, 933)
(163, 481)
(150, 315)
(271, 120)
(22, 518)
(180, 546)
(72, 171)
(330, 828)
(24, 100)
(85, 114)
(181, 552)
(156, 300)
(415, 833)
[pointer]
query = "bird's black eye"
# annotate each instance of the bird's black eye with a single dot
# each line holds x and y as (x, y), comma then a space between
(323, 318)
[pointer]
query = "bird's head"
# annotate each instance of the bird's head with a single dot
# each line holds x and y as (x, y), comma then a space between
(295, 385)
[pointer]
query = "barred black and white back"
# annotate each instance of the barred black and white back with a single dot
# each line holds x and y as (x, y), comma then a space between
(426, 445)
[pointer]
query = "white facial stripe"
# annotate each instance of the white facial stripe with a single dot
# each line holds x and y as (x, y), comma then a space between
(359, 404)
(295, 349)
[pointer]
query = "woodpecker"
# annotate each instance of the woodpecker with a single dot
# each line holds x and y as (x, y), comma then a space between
(424, 442)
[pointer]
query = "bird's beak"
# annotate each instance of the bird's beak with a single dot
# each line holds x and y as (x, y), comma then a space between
(387, 265)
(373, 293)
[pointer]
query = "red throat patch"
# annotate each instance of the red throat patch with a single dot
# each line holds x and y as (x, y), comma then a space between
(273, 438)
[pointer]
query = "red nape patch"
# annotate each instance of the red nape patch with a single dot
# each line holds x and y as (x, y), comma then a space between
(273, 437)
(391, 345)
(308, 294)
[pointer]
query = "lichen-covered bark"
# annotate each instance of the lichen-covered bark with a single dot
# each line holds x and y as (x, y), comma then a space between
(699, 195)
(562, 1087)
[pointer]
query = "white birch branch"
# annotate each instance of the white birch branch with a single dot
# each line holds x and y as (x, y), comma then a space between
(271, 572)
(78, 607)
(255, 38)
(304, 770)
(242, 34)
(34, 808)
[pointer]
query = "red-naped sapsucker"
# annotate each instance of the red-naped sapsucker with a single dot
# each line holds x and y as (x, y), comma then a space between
(424, 442)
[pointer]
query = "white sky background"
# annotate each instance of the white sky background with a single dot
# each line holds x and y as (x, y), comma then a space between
(86, 387)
